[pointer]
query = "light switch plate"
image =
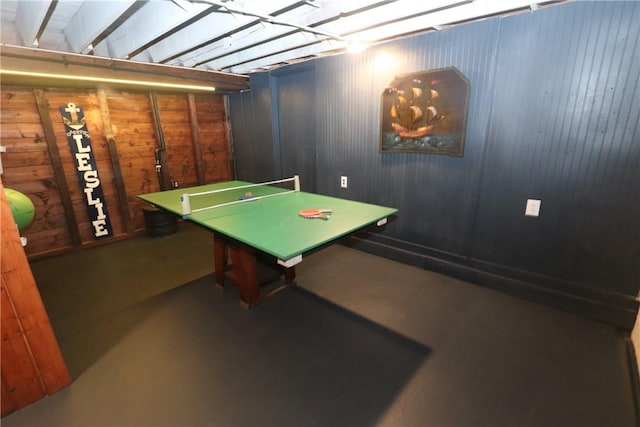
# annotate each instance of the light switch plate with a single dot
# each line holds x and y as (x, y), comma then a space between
(533, 207)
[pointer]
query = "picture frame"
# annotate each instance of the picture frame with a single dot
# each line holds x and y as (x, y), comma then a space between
(425, 112)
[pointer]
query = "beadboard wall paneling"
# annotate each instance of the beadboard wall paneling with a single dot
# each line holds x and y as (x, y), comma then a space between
(553, 115)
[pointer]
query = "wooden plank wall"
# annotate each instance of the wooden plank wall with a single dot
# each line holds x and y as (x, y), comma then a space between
(216, 153)
(38, 160)
(32, 365)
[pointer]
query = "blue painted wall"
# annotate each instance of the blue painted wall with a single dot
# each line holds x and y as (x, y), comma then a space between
(554, 114)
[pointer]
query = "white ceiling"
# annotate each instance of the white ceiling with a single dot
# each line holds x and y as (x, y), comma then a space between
(236, 36)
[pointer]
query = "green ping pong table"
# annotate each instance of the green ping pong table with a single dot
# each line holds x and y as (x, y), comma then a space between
(266, 221)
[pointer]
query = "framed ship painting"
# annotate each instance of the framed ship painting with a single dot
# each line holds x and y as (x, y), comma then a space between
(425, 112)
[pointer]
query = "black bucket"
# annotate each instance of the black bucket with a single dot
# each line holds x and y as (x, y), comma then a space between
(160, 223)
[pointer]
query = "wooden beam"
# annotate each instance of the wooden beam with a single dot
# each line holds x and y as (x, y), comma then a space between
(165, 179)
(54, 155)
(31, 19)
(148, 76)
(115, 161)
(228, 130)
(94, 19)
(195, 132)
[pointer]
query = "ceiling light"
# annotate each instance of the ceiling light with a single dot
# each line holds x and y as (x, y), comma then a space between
(383, 61)
(356, 46)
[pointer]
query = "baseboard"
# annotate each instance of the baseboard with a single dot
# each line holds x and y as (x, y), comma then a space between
(611, 308)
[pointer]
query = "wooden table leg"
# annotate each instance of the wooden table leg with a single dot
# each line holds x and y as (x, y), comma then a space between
(245, 269)
(290, 275)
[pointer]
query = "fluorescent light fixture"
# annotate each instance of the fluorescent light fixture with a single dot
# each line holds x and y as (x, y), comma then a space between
(108, 80)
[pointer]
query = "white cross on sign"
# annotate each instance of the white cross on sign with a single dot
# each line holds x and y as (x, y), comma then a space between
(73, 110)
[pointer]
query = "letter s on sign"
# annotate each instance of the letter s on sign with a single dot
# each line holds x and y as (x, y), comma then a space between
(91, 179)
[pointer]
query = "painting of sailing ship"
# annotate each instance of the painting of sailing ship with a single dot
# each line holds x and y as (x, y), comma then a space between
(425, 112)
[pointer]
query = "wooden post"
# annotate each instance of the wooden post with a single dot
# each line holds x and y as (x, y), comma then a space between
(30, 359)
(115, 161)
(229, 137)
(164, 178)
(54, 155)
(195, 132)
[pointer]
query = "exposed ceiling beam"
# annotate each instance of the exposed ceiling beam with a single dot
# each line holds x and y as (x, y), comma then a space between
(31, 19)
(381, 24)
(172, 31)
(352, 26)
(150, 25)
(256, 41)
(122, 19)
(232, 35)
(92, 19)
(38, 67)
(272, 19)
(199, 33)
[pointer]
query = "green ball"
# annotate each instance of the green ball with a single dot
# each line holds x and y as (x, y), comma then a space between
(21, 207)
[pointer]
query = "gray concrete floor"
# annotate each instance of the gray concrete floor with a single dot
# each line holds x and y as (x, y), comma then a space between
(361, 341)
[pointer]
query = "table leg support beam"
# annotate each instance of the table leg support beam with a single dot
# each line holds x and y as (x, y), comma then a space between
(245, 269)
(244, 265)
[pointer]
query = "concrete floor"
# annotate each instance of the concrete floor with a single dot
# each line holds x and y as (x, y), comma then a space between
(361, 341)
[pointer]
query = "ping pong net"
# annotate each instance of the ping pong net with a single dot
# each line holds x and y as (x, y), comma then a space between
(233, 195)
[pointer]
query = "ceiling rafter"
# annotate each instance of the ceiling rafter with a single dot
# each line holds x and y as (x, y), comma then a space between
(230, 33)
(238, 36)
(92, 20)
(32, 21)
(173, 31)
(202, 31)
(117, 23)
(412, 16)
(272, 19)
(345, 36)
(472, 10)
(319, 23)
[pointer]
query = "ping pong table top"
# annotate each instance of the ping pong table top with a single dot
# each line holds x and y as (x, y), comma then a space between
(272, 224)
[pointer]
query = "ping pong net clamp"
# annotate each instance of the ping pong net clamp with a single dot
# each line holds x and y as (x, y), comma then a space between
(291, 261)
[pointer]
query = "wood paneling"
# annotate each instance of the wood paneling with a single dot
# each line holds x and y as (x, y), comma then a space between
(115, 161)
(31, 362)
(28, 166)
(90, 104)
(176, 126)
(213, 128)
(197, 141)
(39, 163)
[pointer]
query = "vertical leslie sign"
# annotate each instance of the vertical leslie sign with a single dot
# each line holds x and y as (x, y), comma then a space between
(80, 144)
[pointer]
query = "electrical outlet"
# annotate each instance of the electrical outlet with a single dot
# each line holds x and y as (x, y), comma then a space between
(343, 182)
(533, 207)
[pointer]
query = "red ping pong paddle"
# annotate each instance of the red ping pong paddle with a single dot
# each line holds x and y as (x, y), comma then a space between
(316, 213)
